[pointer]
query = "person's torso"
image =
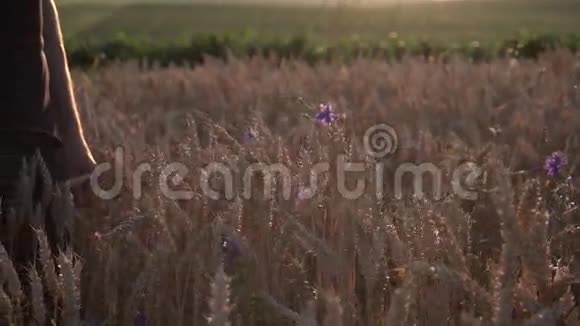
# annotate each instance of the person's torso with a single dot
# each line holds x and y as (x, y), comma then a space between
(24, 93)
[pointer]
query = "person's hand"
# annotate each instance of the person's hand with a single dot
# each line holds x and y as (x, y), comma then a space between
(81, 190)
(77, 158)
(76, 166)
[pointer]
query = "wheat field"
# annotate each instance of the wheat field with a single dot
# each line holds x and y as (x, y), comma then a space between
(510, 257)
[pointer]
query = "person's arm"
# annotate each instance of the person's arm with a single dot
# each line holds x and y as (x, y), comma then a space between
(76, 153)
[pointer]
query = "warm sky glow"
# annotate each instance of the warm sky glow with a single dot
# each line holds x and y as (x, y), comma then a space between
(301, 2)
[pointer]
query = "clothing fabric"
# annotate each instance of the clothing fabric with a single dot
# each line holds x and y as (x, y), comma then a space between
(24, 93)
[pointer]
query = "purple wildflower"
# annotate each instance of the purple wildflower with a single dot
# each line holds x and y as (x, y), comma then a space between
(249, 136)
(232, 249)
(554, 163)
(326, 116)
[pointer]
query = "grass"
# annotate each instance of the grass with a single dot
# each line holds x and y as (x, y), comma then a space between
(510, 257)
(441, 21)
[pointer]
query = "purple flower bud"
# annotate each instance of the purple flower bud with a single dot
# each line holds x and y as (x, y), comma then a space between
(554, 163)
(249, 136)
(326, 116)
(232, 249)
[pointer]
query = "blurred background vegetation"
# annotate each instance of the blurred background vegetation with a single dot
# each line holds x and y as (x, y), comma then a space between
(178, 30)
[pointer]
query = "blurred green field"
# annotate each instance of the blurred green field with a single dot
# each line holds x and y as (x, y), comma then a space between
(453, 21)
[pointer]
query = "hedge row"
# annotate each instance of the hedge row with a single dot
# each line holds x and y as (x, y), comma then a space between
(221, 46)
